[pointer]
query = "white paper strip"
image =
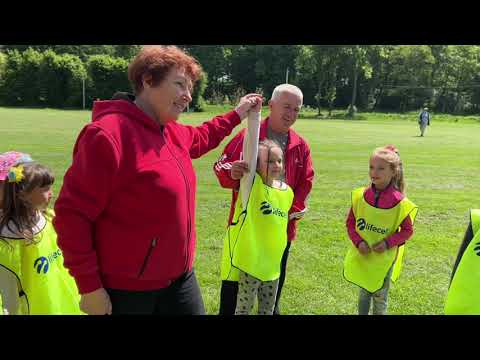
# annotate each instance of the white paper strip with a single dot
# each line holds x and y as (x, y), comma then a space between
(249, 154)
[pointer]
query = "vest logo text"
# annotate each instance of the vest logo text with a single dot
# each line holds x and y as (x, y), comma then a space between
(363, 225)
(477, 248)
(42, 264)
(267, 209)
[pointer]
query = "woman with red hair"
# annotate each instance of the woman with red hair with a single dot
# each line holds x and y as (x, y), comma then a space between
(125, 215)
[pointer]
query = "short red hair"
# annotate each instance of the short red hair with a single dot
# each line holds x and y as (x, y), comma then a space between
(156, 61)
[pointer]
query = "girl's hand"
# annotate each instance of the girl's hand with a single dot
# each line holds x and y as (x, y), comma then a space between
(364, 248)
(96, 303)
(239, 168)
(258, 106)
(380, 247)
(247, 103)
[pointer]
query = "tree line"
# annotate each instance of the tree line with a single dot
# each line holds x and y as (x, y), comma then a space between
(399, 78)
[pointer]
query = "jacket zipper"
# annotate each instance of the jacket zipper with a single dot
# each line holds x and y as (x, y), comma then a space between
(377, 197)
(145, 261)
(189, 230)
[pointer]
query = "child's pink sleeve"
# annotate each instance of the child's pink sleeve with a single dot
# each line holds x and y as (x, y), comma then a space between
(399, 238)
(352, 233)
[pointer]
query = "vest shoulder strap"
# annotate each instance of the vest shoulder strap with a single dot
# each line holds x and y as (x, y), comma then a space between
(357, 194)
(410, 209)
(475, 217)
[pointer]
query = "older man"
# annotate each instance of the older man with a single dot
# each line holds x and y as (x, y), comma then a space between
(284, 105)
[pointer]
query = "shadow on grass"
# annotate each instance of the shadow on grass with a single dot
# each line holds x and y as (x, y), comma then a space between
(332, 117)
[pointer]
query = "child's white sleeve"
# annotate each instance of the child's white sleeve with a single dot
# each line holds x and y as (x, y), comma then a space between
(249, 154)
(297, 215)
(8, 292)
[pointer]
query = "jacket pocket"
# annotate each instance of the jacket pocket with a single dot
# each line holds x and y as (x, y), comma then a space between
(147, 257)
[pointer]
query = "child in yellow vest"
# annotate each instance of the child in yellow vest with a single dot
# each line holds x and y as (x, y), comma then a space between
(463, 297)
(257, 236)
(7, 160)
(32, 277)
(379, 223)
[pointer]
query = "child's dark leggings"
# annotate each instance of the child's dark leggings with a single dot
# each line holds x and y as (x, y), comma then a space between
(248, 288)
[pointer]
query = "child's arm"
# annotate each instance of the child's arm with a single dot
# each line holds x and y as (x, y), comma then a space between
(8, 292)
(355, 237)
(405, 233)
(352, 233)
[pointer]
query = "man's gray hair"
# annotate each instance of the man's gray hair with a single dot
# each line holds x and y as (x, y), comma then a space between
(292, 89)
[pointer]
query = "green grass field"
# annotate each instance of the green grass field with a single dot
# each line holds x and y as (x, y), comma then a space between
(441, 172)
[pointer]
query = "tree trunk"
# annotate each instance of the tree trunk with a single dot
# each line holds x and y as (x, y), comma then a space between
(318, 97)
(318, 105)
(377, 98)
(444, 102)
(351, 109)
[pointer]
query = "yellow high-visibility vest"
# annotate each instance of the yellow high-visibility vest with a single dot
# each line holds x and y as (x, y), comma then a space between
(257, 237)
(373, 225)
(45, 286)
(463, 296)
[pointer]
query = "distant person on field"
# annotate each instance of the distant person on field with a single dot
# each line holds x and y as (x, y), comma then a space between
(424, 120)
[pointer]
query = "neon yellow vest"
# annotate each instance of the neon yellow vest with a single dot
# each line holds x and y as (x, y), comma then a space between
(463, 296)
(256, 239)
(46, 288)
(373, 225)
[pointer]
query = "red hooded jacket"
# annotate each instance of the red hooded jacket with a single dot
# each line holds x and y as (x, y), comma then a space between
(125, 215)
(298, 171)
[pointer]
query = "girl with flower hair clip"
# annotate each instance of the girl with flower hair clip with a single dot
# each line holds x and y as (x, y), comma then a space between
(7, 160)
(32, 277)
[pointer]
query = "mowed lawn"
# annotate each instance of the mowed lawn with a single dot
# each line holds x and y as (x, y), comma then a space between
(441, 173)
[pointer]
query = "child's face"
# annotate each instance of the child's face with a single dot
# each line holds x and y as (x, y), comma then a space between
(380, 172)
(270, 164)
(39, 197)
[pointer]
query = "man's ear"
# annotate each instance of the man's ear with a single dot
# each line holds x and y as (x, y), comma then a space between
(270, 104)
(147, 80)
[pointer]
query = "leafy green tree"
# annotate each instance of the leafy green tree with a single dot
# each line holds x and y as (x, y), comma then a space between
(22, 78)
(61, 79)
(321, 64)
(106, 75)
